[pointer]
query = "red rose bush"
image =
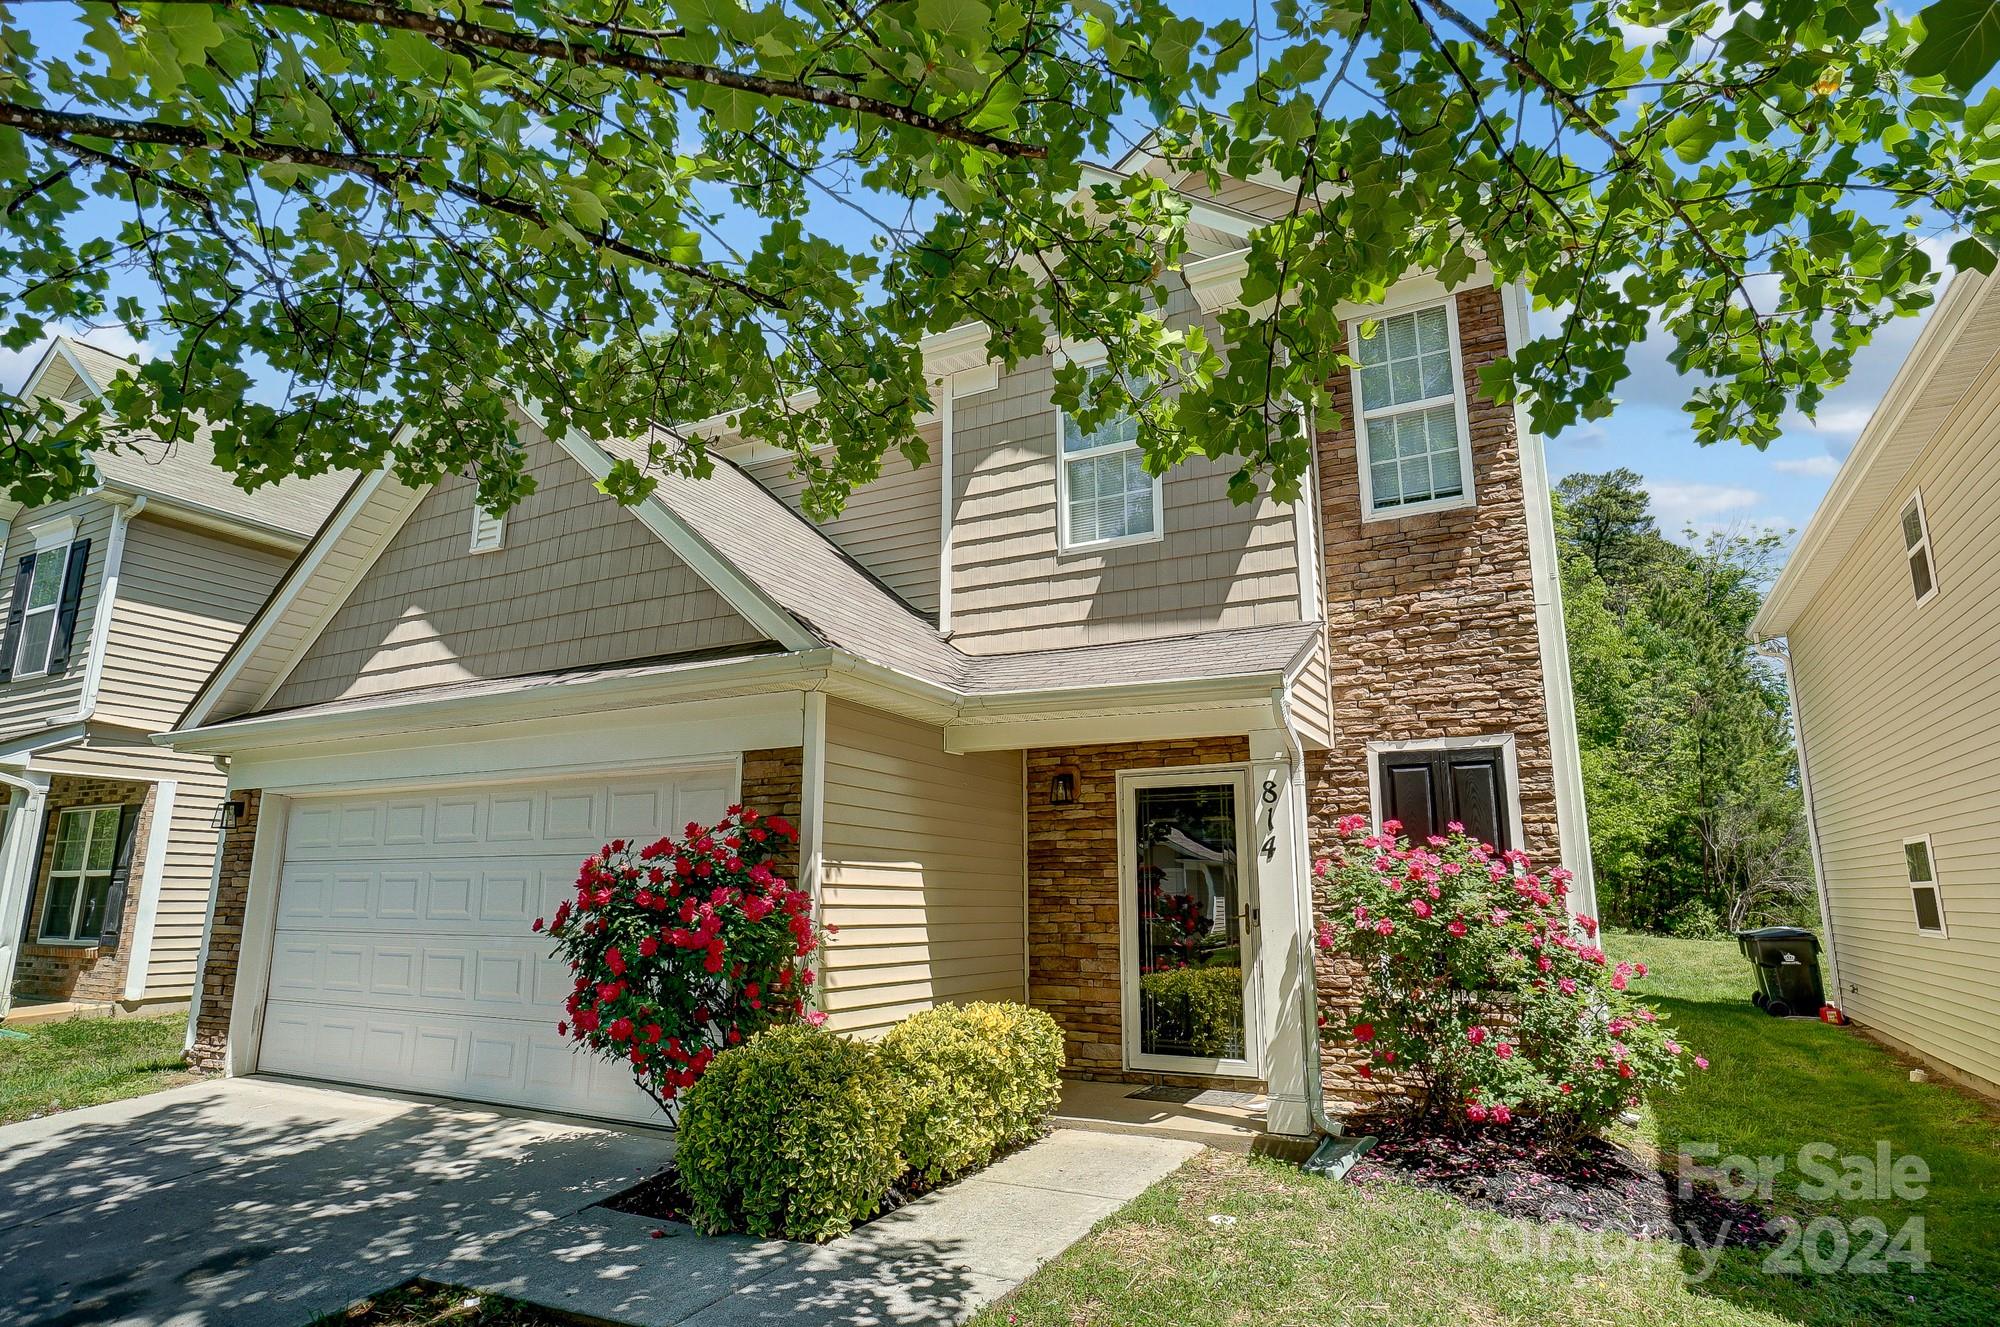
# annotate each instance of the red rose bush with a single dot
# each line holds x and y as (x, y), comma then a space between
(1487, 1001)
(681, 949)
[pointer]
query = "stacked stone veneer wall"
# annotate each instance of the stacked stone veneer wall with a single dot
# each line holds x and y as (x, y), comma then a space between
(774, 785)
(86, 973)
(1073, 969)
(225, 937)
(1431, 628)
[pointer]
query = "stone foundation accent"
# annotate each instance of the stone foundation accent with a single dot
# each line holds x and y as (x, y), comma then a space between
(86, 973)
(225, 937)
(1073, 968)
(774, 785)
(1431, 625)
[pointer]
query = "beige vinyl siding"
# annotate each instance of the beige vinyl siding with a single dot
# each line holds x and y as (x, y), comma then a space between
(1218, 565)
(578, 580)
(1312, 697)
(890, 525)
(922, 870)
(1900, 707)
(184, 596)
(26, 704)
(191, 844)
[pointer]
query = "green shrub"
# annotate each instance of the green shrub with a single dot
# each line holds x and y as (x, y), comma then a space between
(977, 1078)
(792, 1134)
(1199, 1008)
(1695, 920)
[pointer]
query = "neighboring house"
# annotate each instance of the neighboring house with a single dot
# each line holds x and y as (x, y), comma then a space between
(118, 604)
(1049, 725)
(1888, 611)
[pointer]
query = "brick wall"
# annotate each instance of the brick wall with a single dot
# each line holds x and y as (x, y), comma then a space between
(1431, 620)
(1073, 970)
(774, 785)
(225, 937)
(93, 974)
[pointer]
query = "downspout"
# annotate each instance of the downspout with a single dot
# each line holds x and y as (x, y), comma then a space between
(1315, 1087)
(1772, 649)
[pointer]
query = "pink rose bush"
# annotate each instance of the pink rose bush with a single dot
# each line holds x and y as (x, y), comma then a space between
(681, 949)
(1487, 1000)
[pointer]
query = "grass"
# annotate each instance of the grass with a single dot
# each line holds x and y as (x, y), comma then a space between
(1294, 1250)
(85, 1061)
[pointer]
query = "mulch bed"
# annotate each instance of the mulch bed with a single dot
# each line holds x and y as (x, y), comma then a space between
(1596, 1185)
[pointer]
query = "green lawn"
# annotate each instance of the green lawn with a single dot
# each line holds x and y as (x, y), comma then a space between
(84, 1061)
(1306, 1251)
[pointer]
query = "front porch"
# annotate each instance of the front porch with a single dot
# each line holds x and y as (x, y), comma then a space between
(1221, 1118)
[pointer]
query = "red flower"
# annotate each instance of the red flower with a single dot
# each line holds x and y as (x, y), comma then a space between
(1364, 1032)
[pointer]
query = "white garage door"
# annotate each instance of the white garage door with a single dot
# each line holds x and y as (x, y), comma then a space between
(403, 956)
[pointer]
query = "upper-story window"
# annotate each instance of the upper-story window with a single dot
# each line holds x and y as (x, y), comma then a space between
(489, 530)
(1414, 445)
(1917, 548)
(41, 616)
(1106, 496)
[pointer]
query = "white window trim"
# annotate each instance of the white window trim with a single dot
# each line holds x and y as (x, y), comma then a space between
(1469, 497)
(1128, 782)
(60, 552)
(1505, 743)
(481, 518)
(1934, 884)
(1092, 356)
(1910, 550)
(42, 936)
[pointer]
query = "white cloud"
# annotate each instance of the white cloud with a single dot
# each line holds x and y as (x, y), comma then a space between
(1808, 467)
(1676, 504)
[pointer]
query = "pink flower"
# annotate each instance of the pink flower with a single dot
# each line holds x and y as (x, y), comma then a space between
(1501, 1115)
(1457, 926)
(1701, 1062)
(1567, 985)
(1420, 907)
(816, 1018)
(1503, 1050)
(1475, 1035)
(1385, 927)
(1476, 1113)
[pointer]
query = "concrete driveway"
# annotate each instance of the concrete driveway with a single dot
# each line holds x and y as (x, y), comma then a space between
(250, 1201)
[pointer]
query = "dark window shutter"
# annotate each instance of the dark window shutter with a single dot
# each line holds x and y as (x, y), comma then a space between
(121, 876)
(35, 871)
(1410, 794)
(17, 609)
(72, 594)
(1428, 790)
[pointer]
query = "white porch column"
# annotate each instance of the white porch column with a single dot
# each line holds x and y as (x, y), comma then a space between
(27, 795)
(260, 927)
(1277, 800)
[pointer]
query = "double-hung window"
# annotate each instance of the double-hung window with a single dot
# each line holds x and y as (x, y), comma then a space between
(1107, 496)
(1920, 867)
(1415, 447)
(80, 869)
(38, 622)
(1917, 548)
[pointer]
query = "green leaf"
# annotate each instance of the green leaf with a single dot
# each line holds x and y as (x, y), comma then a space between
(1972, 255)
(1961, 41)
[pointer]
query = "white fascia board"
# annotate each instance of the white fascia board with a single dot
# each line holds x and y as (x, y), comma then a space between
(251, 642)
(744, 595)
(1820, 540)
(406, 714)
(1200, 211)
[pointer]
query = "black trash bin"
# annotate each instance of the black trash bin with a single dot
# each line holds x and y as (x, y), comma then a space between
(1787, 963)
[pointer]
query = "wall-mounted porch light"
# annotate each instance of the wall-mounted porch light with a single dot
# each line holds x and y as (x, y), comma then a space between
(228, 815)
(1062, 786)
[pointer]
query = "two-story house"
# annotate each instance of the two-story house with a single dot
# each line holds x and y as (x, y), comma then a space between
(1886, 614)
(1054, 728)
(118, 604)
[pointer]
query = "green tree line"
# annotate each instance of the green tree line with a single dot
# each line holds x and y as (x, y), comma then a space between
(1696, 818)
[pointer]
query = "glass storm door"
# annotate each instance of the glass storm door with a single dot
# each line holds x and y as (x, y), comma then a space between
(1189, 923)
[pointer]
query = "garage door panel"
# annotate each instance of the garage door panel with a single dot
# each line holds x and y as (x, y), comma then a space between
(404, 957)
(518, 1064)
(455, 897)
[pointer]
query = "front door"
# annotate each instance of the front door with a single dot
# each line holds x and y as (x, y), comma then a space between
(1188, 914)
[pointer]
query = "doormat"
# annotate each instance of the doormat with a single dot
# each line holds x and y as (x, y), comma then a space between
(1195, 1096)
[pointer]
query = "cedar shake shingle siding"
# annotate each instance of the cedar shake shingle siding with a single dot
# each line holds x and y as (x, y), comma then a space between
(577, 580)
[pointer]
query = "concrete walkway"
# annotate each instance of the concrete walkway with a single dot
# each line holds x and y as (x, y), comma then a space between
(255, 1202)
(934, 1261)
